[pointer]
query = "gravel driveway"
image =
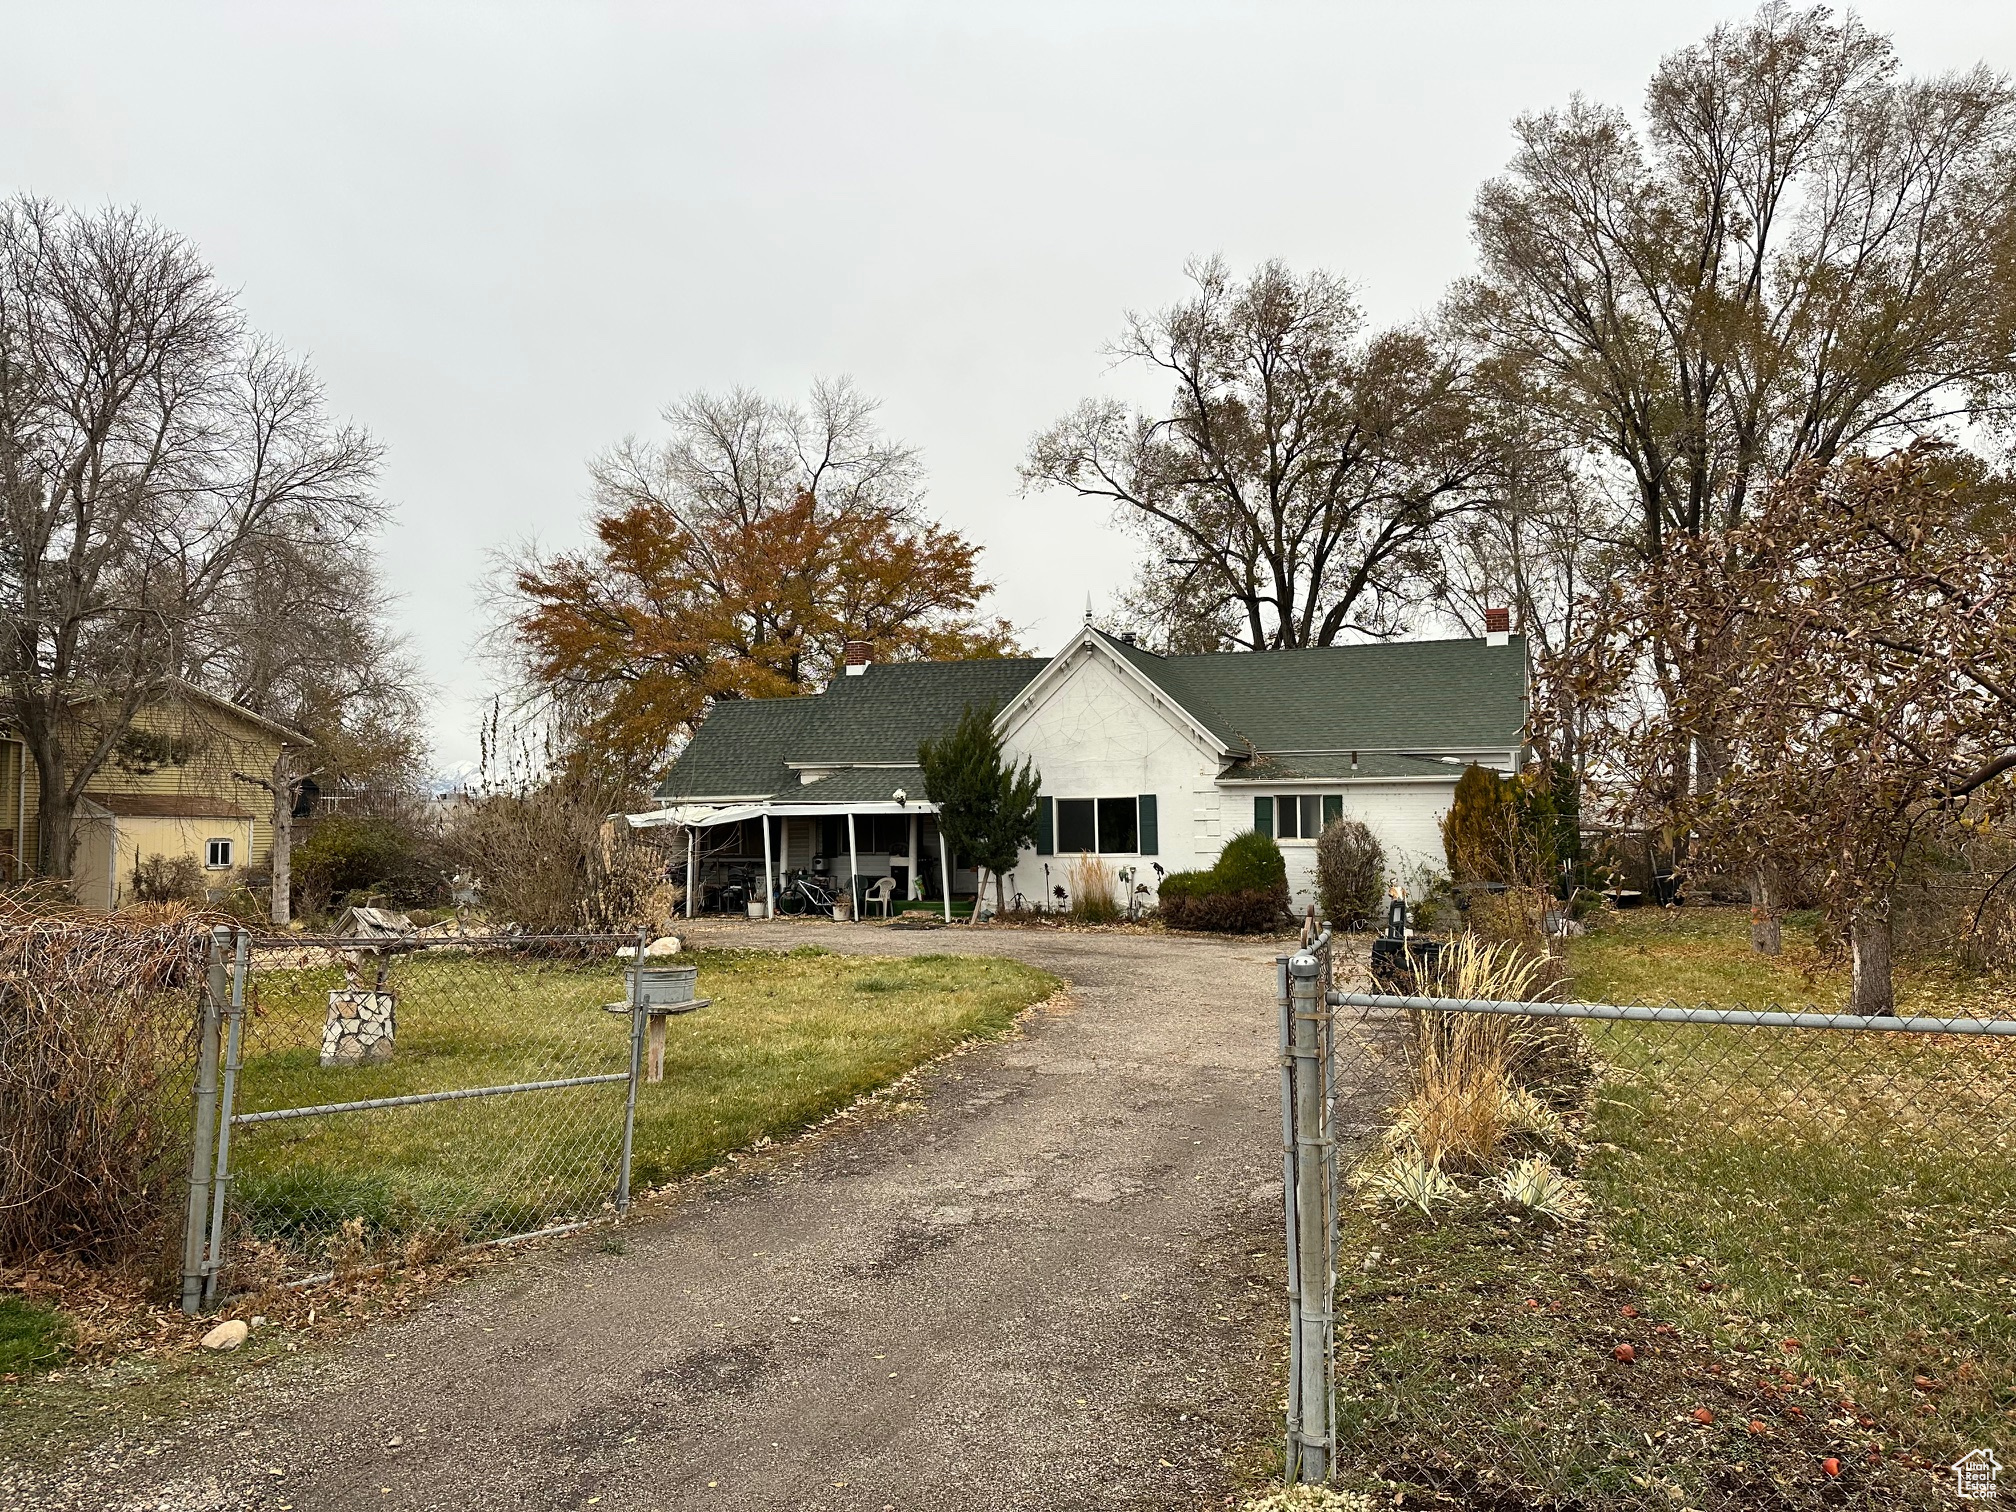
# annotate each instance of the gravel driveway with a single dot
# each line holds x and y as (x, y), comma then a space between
(1051, 1284)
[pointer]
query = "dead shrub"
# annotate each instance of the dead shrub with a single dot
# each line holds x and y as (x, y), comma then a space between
(1350, 873)
(167, 879)
(98, 1026)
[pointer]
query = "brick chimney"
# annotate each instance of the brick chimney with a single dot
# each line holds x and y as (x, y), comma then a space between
(1497, 626)
(858, 652)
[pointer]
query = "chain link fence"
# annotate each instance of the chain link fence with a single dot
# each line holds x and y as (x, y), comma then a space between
(367, 1100)
(1591, 1255)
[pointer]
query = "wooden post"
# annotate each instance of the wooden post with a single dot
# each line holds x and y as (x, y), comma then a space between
(655, 1048)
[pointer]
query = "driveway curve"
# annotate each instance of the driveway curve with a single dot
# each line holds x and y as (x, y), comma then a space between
(1051, 1282)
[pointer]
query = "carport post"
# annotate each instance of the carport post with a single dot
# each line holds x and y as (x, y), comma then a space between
(853, 871)
(692, 861)
(768, 892)
(945, 871)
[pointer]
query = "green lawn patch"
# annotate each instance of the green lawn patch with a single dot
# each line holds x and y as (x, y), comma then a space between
(787, 1039)
(1813, 1232)
(31, 1337)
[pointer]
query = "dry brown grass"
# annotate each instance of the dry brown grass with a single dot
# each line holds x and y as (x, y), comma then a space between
(1092, 883)
(1462, 1100)
(97, 1030)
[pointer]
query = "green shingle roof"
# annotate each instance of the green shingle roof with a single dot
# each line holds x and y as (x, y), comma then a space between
(855, 785)
(1308, 708)
(1391, 696)
(1336, 766)
(878, 716)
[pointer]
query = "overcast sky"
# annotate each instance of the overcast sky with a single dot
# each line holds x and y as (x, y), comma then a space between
(507, 235)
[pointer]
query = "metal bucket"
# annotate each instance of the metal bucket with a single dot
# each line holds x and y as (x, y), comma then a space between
(662, 984)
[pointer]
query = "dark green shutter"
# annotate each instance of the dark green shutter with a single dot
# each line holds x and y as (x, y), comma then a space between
(1263, 816)
(1333, 808)
(1046, 830)
(1150, 841)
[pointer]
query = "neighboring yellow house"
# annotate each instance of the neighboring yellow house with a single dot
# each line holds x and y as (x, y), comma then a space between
(174, 787)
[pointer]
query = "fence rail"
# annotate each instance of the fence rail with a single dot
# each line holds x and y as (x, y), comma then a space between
(431, 1047)
(1677, 1013)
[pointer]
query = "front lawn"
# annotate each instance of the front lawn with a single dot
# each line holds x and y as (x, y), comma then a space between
(1804, 1238)
(786, 1040)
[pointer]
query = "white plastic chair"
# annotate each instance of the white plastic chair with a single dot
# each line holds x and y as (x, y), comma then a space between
(882, 892)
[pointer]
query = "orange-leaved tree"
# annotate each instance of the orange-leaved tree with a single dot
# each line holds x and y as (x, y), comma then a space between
(736, 559)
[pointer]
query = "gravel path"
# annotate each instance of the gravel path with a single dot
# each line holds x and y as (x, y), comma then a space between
(1052, 1283)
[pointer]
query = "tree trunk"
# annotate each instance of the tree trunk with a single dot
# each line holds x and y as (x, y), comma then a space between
(55, 831)
(1766, 912)
(282, 906)
(979, 892)
(1870, 992)
(1000, 898)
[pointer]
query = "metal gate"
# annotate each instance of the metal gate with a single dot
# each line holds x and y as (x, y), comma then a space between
(361, 1101)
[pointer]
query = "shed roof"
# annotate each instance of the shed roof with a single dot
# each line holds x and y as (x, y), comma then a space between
(165, 805)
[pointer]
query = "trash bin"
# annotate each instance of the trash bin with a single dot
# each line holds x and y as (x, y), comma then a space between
(1406, 968)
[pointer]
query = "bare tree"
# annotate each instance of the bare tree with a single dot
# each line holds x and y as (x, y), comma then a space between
(1853, 651)
(1296, 490)
(153, 454)
(1803, 256)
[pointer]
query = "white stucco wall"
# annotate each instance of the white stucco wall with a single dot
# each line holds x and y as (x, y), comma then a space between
(1405, 816)
(1097, 734)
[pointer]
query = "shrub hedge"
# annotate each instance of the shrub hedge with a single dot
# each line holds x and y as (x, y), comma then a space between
(1244, 892)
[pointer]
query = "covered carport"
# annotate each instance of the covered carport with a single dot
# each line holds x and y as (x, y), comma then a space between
(858, 814)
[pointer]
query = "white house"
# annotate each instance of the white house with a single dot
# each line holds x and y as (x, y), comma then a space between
(1145, 760)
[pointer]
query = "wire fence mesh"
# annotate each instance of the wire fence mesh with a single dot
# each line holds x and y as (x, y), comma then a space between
(1595, 1256)
(400, 1099)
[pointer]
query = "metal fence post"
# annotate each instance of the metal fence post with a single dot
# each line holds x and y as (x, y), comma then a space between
(636, 1072)
(1313, 1245)
(220, 1185)
(1288, 1213)
(204, 1132)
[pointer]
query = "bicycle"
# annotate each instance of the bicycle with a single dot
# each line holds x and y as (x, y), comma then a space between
(801, 895)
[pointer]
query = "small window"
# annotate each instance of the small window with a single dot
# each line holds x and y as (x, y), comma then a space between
(1301, 816)
(217, 855)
